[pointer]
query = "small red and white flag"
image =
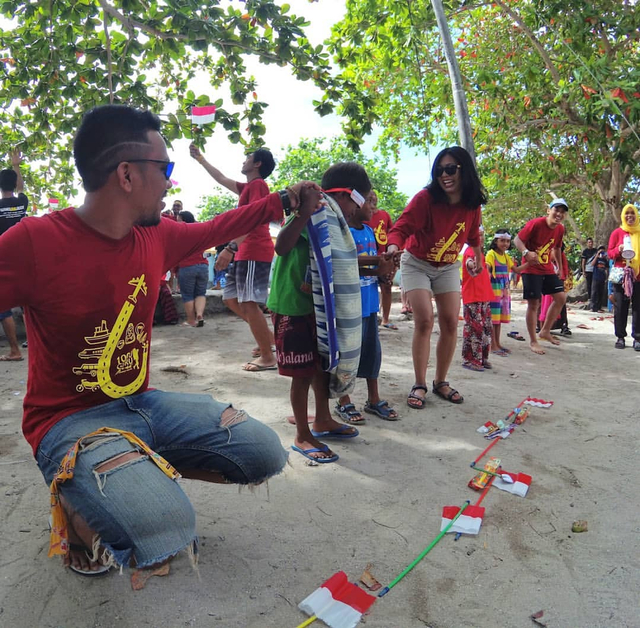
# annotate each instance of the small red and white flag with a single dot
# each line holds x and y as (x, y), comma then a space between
(203, 115)
(468, 522)
(519, 487)
(338, 602)
(54, 203)
(538, 403)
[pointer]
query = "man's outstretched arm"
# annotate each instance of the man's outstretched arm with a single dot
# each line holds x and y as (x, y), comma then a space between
(16, 160)
(228, 183)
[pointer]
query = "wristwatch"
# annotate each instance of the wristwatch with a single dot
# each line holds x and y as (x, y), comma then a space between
(286, 202)
(233, 247)
(524, 253)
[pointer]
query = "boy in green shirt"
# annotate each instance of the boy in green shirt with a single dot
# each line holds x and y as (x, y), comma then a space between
(294, 324)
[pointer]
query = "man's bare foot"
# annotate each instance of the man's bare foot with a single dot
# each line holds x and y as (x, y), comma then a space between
(536, 348)
(80, 538)
(548, 337)
(12, 357)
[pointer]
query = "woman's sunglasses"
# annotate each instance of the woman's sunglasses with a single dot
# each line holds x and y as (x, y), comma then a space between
(450, 169)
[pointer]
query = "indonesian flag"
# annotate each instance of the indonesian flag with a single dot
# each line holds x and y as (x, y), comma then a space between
(203, 115)
(539, 403)
(338, 603)
(54, 203)
(468, 522)
(520, 486)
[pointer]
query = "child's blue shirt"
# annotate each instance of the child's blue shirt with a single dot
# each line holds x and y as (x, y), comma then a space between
(365, 241)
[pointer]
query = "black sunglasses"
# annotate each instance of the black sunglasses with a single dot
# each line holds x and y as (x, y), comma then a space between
(168, 165)
(450, 169)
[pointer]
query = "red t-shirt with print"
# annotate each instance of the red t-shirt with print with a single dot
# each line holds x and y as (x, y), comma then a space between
(537, 236)
(476, 289)
(381, 224)
(89, 336)
(258, 245)
(435, 232)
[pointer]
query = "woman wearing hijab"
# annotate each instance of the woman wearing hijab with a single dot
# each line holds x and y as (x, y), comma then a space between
(628, 290)
(433, 228)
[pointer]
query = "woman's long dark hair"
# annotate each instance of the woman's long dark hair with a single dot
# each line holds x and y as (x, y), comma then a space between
(186, 216)
(473, 192)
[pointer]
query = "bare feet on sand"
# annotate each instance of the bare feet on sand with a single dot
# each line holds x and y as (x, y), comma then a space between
(548, 337)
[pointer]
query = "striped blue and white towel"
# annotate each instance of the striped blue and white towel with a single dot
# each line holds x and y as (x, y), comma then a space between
(337, 303)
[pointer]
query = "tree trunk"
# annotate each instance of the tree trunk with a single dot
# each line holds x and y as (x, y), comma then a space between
(459, 98)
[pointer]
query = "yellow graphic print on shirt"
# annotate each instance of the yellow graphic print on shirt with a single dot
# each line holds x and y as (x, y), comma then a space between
(381, 234)
(103, 344)
(447, 251)
(543, 252)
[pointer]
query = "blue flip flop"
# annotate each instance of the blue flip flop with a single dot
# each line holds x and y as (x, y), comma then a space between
(339, 432)
(313, 450)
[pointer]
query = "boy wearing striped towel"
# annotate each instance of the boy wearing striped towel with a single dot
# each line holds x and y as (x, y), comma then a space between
(294, 321)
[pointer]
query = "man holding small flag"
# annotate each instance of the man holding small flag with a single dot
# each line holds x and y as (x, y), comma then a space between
(247, 285)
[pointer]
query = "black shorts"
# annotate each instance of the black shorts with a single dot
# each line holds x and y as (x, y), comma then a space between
(534, 286)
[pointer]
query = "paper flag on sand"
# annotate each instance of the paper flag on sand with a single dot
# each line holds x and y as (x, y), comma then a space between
(203, 115)
(539, 403)
(338, 603)
(520, 486)
(468, 522)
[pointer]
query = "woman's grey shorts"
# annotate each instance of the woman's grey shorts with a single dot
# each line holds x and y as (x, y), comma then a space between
(420, 275)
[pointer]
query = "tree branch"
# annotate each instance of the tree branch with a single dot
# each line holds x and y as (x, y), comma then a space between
(105, 22)
(131, 24)
(555, 75)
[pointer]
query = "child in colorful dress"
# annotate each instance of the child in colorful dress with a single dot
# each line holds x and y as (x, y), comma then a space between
(500, 266)
(476, 298)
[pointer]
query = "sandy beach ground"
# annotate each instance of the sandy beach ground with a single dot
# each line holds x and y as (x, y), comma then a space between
(262, 552)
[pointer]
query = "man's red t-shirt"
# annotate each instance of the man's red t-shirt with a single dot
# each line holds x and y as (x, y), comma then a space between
(475, 289)
(435, 232)
(381, 224)
(258, 245)
(89, 336)
(537, 236)
(194, 259)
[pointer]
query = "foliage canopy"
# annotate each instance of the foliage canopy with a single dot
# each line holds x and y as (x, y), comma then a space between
(59, 59)
(553, 89)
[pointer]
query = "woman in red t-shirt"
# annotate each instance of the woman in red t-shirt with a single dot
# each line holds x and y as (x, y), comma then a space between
(434, 227)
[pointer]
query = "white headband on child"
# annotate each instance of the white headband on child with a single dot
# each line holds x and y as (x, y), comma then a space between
(502, 234)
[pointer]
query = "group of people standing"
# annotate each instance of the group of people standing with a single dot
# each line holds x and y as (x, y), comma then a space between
(111, 448)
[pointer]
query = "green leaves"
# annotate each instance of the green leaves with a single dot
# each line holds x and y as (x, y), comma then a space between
(549, 85)
(57, 61)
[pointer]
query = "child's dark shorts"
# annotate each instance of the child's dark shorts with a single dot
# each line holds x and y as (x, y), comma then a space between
(370, 351)
(296, 345)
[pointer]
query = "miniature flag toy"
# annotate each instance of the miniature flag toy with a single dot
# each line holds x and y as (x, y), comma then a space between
(519, 486)
(338, 603)
(539, 403)
(468, 522)
(203, 115)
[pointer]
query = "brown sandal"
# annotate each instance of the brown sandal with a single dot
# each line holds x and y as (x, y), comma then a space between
(452, 393)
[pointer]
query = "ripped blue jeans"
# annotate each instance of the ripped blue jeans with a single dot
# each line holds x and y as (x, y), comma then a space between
(136, 510)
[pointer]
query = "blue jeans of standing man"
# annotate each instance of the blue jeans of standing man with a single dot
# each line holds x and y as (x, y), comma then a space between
(137, 511)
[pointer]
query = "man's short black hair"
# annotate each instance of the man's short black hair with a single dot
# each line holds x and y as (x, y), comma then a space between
(267, 162)
(347, 174)
(108, 135)
(8, 180)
